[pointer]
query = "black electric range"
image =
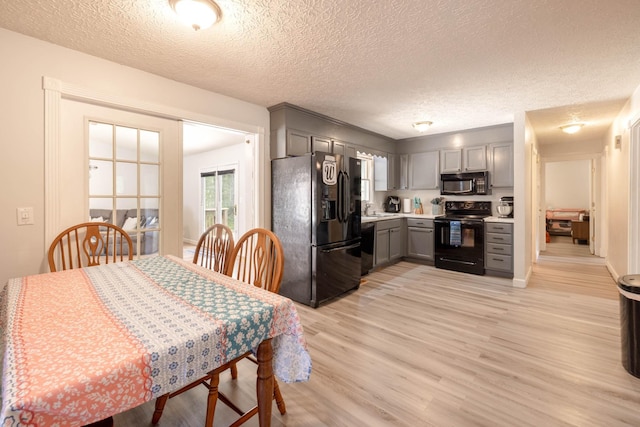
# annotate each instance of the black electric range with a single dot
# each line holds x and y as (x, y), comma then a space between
(459, 236)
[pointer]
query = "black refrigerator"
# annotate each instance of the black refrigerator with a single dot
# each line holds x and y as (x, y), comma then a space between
(316, 214)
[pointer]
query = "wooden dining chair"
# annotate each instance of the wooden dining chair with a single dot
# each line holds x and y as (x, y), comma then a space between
(89, 244)
(214, 248)
(257, 259)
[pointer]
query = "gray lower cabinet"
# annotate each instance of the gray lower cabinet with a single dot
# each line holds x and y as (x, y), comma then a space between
(498, 257)
(389, 242)
(420, 242)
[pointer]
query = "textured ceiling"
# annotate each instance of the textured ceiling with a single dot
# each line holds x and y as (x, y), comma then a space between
(379, 65)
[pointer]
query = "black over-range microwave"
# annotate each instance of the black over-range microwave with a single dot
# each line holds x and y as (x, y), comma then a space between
(464, 183)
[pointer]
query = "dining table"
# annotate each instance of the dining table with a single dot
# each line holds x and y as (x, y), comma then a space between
(82, 345)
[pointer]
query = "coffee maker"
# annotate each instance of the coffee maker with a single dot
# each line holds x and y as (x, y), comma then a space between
(392, 204)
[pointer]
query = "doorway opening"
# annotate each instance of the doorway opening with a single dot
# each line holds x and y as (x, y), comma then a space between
(218, 181)
(569, 200)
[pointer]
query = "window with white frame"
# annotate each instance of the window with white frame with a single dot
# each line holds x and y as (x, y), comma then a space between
(366, 175)
(124, 182)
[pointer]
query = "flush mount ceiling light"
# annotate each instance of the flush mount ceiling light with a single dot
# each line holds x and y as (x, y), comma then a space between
(422, 126)
(199, 14)
(571, 128)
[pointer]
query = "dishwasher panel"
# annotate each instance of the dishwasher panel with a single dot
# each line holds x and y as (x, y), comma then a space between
(368, 230)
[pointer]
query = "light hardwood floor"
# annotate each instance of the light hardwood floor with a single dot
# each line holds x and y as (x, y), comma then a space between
(419, 346)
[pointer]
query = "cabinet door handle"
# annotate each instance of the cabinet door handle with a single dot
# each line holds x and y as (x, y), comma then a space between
(498, 249)
(498, 259)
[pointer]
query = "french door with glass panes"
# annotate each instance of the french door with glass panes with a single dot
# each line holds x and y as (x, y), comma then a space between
(124, 182)
(219, 198)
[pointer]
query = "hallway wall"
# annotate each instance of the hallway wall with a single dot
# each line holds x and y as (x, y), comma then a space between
(567, 184)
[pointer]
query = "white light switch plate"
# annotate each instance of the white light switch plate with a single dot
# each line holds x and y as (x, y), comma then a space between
(25, 216)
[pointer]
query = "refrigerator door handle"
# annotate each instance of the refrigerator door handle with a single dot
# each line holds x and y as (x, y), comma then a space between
(341, 248)
(340, 207)
(346, 191)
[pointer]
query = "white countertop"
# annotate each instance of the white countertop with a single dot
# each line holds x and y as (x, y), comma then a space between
(387, 215)
(498, 219)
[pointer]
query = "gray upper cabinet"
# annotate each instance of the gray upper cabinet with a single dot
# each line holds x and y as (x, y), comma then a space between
(319, 143)
(342, 148)
(402, 171)
(349, 151)
(424, 173)
(392, 171)
(295, 131)
(501, 164)
(380, 174)
(298, 143)
(474, 158)
(339, 147)
(450, 161)
(467, 159)
(395, 168)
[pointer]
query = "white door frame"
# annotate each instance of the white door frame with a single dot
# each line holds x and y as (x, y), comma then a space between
(634, 198)
(595, 165)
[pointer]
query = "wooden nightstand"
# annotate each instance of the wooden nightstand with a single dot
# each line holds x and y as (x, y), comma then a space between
(580, 230)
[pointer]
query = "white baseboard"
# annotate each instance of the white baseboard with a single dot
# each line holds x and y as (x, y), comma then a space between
(612, 271)
(520, 283)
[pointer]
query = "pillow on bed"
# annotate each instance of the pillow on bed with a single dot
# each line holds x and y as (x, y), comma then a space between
(566, 215)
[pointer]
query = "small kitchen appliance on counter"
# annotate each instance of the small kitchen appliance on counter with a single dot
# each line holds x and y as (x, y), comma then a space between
(392, 204)
(505, 207)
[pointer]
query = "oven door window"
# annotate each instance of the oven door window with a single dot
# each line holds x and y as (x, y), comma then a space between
(468, 238)
(454, 234)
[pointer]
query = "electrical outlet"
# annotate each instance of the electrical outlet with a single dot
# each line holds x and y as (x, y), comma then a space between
(25, 216)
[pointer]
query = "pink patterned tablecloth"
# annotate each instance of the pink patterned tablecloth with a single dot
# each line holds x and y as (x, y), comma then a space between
(81, 345)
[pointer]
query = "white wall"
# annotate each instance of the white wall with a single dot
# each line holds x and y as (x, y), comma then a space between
(524, 148)
(25, 62)
(569, 150)
(239, 154)
(567, 184)
(617, 189)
